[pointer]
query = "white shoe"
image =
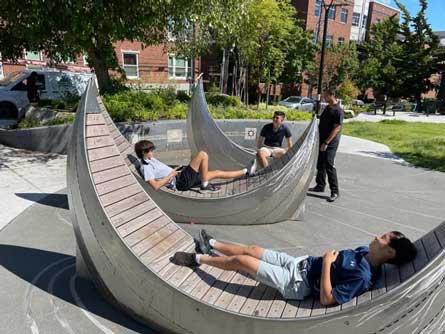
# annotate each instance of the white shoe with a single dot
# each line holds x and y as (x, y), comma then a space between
(251, 170)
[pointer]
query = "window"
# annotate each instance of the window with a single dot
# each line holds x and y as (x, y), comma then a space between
(344, 15)
(378, 21)
(179, 68)
(355, 19)
(365, 18)
(331, 13)
(130, 61)
(29, 55)
(317, 11)
(341, 40)
(329, 39)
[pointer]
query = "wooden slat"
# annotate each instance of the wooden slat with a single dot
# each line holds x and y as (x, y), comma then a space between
(206, 283)
(242, 295)
(107, 163)
(305, 308)
(180, 276)
(349, 304)
(163, 230)
(379, 287)
(392, 276)
(102, 152)
(126, 204)
(218, 287)
(163, 264)
(132, 226)
(96, 142)
(421, 258)
(431, 244)
(277, 307)
(291, 308)
(253, 300)
(135, 212)
(440, 233)
(120, 140)
(164, 246)
(332, 309)
(406, 271)
(317, 308)
(364, 297)
(94, 119)
(149, 230)
(231, 290)
(110, 174)
(265, 303)
(188, 245)
(190, 282)
(114, 184)
(229, 190)
(120, 194)
(96, 131)
(236, 186)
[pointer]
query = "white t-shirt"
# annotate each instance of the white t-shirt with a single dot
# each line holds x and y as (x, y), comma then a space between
(156, 170)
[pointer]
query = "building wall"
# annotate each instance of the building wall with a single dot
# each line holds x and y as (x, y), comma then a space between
(336, 28)
(379, 12)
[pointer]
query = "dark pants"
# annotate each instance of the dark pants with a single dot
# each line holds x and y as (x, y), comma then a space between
(326, 165)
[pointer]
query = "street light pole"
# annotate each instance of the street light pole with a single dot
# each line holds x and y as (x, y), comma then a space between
(323, 48)
(327, 8)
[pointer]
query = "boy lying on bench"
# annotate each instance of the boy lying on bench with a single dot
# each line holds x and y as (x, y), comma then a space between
(336, 278)
(158, 174)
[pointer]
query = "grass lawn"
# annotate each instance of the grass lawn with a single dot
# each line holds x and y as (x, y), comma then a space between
(421, 144)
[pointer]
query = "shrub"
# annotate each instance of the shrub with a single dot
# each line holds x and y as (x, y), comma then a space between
(223, 100)
(182, 96)
(28, 123)
(67, 119)
(178, 111)
(168, 95)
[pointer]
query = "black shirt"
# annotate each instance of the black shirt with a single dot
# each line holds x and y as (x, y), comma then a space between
(272, 137)
(331, 116)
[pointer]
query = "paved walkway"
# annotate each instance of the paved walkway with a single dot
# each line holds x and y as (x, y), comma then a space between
(401, 116)
(27, 177)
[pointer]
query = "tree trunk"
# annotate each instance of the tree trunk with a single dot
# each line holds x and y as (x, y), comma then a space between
(225, 71)
(98, 61)
(419, 106)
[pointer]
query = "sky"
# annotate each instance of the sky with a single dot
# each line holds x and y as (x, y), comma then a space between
(435, 11)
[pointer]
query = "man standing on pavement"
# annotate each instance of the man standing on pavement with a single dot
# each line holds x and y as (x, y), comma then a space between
(331, 120)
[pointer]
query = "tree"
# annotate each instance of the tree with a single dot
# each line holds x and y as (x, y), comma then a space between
(422, 54)
(341, 63)
(65, 28)
(382, 55)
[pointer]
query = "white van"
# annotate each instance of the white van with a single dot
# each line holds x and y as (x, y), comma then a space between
(50, 85)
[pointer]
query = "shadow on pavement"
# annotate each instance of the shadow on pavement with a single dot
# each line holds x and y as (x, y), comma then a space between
(53, 273)
(55, 200)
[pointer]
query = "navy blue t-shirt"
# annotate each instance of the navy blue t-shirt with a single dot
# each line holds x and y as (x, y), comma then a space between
(272, 137)
(351, 274)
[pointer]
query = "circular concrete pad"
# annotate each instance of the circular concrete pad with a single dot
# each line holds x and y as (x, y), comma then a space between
(42, 294)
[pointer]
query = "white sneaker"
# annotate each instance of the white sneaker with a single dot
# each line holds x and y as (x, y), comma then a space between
(251, 170)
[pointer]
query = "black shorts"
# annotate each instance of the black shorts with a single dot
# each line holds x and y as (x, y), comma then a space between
(187, 179)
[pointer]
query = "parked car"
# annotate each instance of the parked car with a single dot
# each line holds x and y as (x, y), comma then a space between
(339, 102)
(298, 102)
(359, 103)
(50, 85)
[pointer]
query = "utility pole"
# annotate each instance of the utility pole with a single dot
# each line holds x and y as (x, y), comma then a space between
(327, 7)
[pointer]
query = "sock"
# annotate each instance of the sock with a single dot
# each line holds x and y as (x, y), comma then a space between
(204, 183)
(245, 171)
(212, 242)
(198, 258)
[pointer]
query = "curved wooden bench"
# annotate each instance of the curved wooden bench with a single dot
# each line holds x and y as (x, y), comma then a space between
(125, 241)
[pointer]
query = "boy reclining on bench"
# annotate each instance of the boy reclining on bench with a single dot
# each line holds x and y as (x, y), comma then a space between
(337, 277)
(182, 178)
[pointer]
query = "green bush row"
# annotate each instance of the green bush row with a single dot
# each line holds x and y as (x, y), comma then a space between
(27, 123)
(133, 105)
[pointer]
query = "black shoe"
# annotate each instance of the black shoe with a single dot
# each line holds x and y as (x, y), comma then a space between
(203, 243)
(210, 188)
(184, 259)
(316, 189)
(251, 169)
(333, 197)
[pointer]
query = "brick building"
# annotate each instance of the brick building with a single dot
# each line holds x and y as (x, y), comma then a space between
(311, 12)
(148, 67)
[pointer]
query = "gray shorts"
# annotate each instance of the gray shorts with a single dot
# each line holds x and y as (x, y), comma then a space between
(285, 273)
